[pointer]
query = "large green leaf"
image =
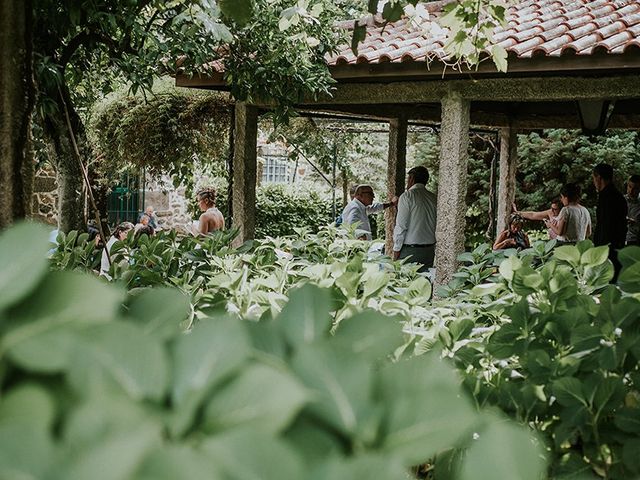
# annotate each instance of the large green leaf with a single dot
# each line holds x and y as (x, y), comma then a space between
(46, 326)
(26, 451)
(28, 404)
(206, 355)
(361, 467)
(23, 261)
(630, 455)
(305, 318)
(513, 450)
(261, 397)
(628, 419)
(115, 456)
(119, 356)
(174, 462)
(341, 395)
(247, 454)
(569, 254)
(159, 311)
(595, 256)
(370, 333)
(424, 409)
(629, 279)
(568, 391)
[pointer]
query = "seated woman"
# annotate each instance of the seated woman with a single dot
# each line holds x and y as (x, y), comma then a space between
(551, 214)
(119, 234)
(211, 218)
(574, 221)
(512, 236)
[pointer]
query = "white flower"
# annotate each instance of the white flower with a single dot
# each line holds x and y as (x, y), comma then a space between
(606, 343)
(552, 400)
(617, 332)
(476, 435)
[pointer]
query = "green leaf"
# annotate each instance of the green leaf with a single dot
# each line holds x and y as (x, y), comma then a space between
(159, 311)
(629, 256)
(247, 454)
(362, 467)
(47, 324)
(374, 284)
(424, 409)
(261, 397)
(26, 452)
(629, 279)
(340, 395)
(305, 318)
(359, 34)
(392, 11)
(568, 253)
(28, 404)
(370, 334)
(240, 11)
(212, 351)
(119, 355)
(568, 391)
(514, 452)
(23, 261)
(114, 457)
(595, 256)
(630, 455)
(499, 57)
(178, 462)
(628, 419)
(509, 266)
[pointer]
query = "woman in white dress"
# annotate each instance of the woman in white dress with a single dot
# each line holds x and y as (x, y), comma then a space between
(574, 221)
(211, 219)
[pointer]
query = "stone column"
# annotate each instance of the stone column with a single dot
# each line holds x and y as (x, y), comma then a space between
(507, 181)
(452, 185)
(244, 171)
(396, 166)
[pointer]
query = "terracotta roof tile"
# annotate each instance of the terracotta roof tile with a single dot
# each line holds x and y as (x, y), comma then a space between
(533, 28)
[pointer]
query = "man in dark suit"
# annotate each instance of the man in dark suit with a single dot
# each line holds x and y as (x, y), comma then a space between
(611, 214)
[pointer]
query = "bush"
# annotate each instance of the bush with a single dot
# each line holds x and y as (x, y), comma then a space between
(97, 384)
(549, 341)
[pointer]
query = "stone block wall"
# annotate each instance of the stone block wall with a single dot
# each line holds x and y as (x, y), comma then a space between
(45, 196)
(169, 203)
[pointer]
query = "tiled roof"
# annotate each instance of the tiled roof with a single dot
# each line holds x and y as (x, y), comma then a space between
(550, 28)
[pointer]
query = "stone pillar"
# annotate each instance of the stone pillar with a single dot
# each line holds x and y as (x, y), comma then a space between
(396, 166)
(507, 181)
(244, 171)
(452, 185)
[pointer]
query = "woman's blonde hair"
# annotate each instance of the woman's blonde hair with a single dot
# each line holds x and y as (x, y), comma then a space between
(207, 195)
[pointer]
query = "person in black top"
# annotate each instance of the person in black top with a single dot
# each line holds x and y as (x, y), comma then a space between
(611, 214)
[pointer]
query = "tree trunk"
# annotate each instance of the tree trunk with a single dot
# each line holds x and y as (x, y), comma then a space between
(17, 96)
(71, 191)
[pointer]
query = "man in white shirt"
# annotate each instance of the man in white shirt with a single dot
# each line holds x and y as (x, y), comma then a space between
(358, 209)
(415, 232)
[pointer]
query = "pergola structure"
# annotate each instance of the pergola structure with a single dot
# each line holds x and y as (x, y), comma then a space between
(571, 64)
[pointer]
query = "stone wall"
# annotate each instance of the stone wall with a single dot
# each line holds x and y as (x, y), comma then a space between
(45, 196)
(169, 203)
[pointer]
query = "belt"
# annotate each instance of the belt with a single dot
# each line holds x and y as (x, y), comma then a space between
(418, 245)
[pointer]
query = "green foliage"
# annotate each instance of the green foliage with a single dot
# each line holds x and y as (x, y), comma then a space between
(553, 345)
(281, 210)
(165, 134)
(280, 53)
(91, 389)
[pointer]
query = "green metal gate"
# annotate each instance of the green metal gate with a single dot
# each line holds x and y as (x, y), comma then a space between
(126, 200)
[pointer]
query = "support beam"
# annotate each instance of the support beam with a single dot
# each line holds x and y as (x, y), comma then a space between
(452, 185)
(507, 181)
(396, 166)
(244, 171)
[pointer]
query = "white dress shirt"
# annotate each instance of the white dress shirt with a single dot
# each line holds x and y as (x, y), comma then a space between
(416, 218)
(356, 211)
